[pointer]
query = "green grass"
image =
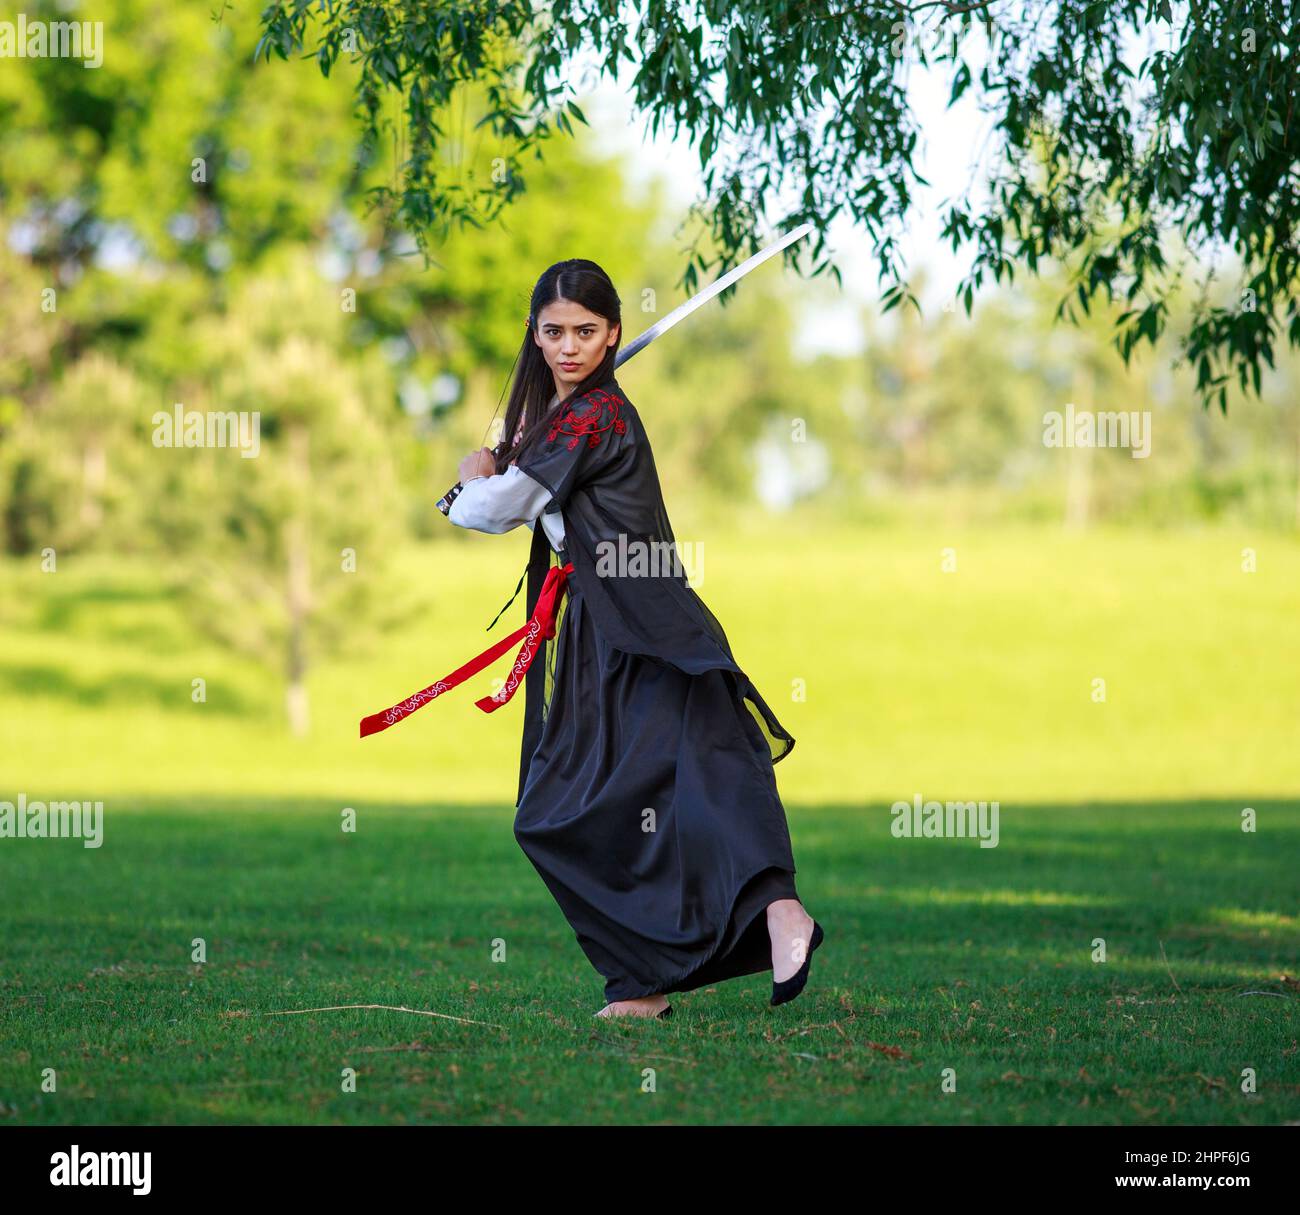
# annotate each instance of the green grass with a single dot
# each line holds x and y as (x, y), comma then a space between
(1119, 821)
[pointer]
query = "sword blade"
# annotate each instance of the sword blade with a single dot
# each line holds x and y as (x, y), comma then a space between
(682, 311)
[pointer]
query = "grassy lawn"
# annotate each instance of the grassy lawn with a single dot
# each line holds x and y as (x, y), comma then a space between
(1119, 820)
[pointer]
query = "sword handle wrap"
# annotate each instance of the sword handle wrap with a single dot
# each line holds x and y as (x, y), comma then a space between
(444, 503)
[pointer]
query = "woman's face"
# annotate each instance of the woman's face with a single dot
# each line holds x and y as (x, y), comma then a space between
(573, 341)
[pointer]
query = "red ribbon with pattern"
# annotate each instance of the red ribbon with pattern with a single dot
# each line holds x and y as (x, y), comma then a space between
(538, 628)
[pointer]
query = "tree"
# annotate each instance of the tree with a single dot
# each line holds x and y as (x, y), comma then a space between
(1096, 162)
(129, 195)
(89, 420)
(286, 555)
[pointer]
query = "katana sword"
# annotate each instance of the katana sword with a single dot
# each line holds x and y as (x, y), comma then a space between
(680, 313)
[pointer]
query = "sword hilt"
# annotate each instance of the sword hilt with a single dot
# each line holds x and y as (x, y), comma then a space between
(444, 503)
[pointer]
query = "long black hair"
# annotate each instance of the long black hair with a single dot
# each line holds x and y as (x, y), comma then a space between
(582, 282)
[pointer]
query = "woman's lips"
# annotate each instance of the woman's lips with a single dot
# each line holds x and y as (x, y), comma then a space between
(570, 366)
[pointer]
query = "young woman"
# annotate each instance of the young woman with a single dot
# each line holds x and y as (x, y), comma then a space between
(647, 800)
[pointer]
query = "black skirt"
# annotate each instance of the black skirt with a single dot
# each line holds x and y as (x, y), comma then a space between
(651, 812)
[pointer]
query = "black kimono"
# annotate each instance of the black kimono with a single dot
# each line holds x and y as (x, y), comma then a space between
(647, 800)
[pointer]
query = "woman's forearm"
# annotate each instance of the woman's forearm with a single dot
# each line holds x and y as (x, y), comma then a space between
(498, 503)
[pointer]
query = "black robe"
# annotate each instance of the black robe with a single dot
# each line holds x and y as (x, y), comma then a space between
(646, 798)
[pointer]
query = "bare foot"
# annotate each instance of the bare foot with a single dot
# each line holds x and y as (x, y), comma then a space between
(641, 1006)
(790, 928)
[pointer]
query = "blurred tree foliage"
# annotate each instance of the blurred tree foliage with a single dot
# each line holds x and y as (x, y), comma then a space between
(1118, 122)
(191, 225)
(165, 215)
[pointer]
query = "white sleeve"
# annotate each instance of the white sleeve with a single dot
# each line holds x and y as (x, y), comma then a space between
(498, 503)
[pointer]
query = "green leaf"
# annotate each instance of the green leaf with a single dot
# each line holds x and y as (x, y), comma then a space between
(961, 82)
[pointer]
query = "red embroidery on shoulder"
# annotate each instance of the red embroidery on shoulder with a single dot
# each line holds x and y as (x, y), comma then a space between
(598, 416)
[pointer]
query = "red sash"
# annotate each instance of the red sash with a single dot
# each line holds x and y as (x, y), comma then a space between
(539, 627)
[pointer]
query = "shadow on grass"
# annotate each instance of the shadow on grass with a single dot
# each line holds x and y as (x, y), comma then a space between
(249, 870)
(64, 608)
(122, 689)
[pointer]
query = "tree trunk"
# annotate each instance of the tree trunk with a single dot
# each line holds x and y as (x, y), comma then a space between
(1078, 468)
(298, 552)
(296, 705)
(94, 472)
